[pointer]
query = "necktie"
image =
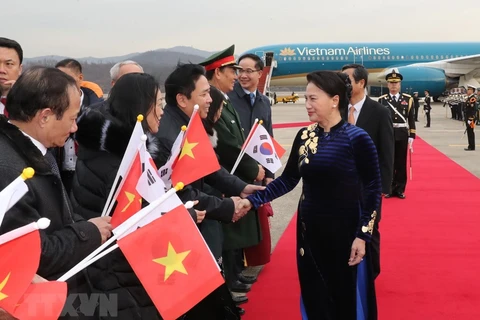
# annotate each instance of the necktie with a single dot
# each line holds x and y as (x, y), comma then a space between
(394, 98)
(3, 100)
(351, 117)
(252, 99)
(53, 163)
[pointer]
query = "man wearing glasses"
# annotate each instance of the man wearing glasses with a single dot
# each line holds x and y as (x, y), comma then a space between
(248, 101)
(251, 104)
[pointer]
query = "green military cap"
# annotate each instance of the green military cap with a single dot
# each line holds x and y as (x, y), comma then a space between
(394, 76)
(220, 59)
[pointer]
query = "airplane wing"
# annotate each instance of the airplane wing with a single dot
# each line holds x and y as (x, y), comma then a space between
(455, 67)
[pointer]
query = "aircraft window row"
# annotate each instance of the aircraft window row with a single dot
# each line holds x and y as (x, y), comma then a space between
(388, 57)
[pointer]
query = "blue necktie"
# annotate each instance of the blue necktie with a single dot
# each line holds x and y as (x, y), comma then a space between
(252, 99)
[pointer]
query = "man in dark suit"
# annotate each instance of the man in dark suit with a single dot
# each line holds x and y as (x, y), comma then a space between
(376, 120)
(43, 105)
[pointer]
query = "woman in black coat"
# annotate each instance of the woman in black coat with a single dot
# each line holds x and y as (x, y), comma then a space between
(103, 135)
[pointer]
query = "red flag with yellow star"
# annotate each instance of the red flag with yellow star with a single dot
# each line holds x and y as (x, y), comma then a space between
(19, 262)
(129, 201)
(173, 262)
(197, 158)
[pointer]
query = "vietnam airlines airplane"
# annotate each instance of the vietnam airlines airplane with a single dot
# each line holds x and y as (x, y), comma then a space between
(432, 66)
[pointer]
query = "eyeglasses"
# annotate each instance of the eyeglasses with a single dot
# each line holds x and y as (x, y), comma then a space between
(247, 71)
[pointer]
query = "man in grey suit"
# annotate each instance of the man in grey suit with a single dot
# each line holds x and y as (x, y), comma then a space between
(376, 120)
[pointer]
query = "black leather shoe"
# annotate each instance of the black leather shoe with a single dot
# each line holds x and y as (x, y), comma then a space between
(239, 299)
(388, 195)
(467, 149)
(246, 279)
(241, 311)
(401, 195)
(237, 286)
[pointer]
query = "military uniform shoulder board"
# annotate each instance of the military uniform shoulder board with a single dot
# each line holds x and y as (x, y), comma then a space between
(383, 96)
(406, 95)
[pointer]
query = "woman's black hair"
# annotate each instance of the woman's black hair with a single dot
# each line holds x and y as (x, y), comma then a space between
(217, 101)
(133, 94)
(333, 83)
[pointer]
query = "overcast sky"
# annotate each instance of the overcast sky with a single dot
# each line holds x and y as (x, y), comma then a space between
(101, 28)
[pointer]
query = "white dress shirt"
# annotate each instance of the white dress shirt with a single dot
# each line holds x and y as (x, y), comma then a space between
(37, 143)
(397, 96)
(358, 107)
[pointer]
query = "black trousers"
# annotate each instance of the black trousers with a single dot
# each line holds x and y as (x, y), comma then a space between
(416, 113)
(471, 136)
(427, 114)
(375, 243)
(400, 166)
(233, 264)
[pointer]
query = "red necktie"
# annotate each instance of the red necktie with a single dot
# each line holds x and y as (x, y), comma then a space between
(3, 100)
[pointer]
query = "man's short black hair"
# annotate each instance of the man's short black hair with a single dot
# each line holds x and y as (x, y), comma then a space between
(182, 80)
(258, 61)
(12, 44)
(39, 88)
(360, 73)
(71, 64)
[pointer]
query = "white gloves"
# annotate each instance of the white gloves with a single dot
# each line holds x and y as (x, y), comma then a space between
(410, 143)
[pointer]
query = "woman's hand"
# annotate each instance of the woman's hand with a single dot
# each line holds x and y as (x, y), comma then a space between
(357, 253)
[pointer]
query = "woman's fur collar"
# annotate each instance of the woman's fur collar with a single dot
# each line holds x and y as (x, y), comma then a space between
(98, 130)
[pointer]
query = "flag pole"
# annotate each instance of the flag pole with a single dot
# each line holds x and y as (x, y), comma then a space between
(188, 205)
(245, 144)
(9, 190)
(41, 223)
(122, 228)
(116, 189)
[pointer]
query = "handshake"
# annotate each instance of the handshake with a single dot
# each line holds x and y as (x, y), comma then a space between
(242, 206)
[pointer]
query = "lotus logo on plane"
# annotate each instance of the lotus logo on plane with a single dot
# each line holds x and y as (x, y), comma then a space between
(287, 52)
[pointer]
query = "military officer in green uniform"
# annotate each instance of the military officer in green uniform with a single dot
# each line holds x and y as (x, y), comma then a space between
(403, 115)
(221, 70)
(470, 114)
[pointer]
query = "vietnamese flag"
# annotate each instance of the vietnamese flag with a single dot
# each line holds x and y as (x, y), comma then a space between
(43, 300)
(129, 201)
(19, 262)
(197, 158)
(173, 262)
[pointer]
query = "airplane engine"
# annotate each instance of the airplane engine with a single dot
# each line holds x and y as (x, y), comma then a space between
(425, 78)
